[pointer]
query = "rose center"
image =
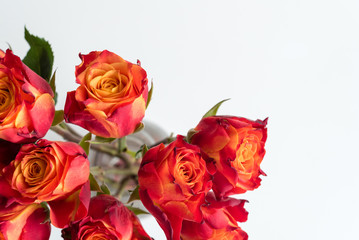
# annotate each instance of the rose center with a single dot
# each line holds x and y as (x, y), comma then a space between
(108, 82)
(6, 97)
(245, 153)
(34, 171)
(187, 171)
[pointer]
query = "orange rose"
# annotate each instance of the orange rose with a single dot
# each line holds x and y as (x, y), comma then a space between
(173, 182)
(236, 147)
(26, 101)
(111, 99)
(55, 172)
(107, 219)
(29, 224)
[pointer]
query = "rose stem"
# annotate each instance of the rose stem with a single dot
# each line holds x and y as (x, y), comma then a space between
(108, 149)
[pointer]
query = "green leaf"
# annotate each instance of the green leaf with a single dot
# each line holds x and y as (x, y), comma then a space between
(40, 57)
(135, 195)
(149, 97)
(137, 211)
(214, 109)
(53, 86)
(85, 142)
(105, 189)
(94, 184)
(59, 117)
(99, 140)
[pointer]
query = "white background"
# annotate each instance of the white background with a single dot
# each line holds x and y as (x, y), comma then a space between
(294, 61)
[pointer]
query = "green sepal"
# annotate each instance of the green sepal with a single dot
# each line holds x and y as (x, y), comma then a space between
(135, 195)
(53, 86)
(214, 109)
(149, 96)
(85, 142)
(137, 211)
(141, 152)
(40, 57)
(47, 212)
(190, 134)
(58, 118)
(139, 127)
(144, 149)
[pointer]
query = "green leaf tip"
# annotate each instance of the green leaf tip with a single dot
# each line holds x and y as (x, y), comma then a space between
(40, 57)
(214, 109)
(137, 211)
(135, 195)
(58, 118)
(99, 140)
(190, 134)
(85, 142)
(139, 127)
(141, 152)
(105, 189)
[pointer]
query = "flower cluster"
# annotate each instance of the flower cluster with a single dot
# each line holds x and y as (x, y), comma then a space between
(223, 153)
(46, 182)
(187, 183)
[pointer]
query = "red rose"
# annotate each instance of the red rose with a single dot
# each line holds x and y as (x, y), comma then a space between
(26, 101)
(173, 183)
(220, 221)
(236, 147)
(107, 219)
(29, 224)
(111, 99)
(55, 172)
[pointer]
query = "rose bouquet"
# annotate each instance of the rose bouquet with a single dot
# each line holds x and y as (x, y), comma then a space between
(186, 182)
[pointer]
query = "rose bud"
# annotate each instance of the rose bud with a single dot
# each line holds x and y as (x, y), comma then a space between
(55, 172)
(111, 99)
(236, 147)
(173, 182)
(27, 107)
(108, 219)
(220, 221)
(29, 224)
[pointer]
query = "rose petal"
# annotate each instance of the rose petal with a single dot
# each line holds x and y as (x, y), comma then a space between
(72, 208)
